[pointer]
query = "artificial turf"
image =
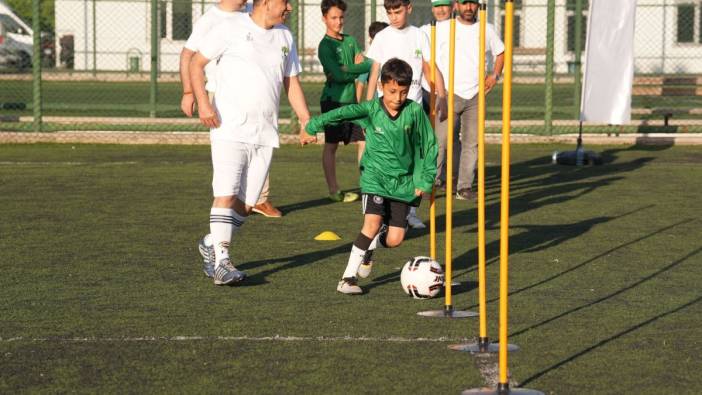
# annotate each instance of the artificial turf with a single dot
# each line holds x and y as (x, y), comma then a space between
(102, 288)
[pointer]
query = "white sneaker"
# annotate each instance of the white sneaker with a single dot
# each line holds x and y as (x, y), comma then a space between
(349, 286)
(365, 269)
(414, 221)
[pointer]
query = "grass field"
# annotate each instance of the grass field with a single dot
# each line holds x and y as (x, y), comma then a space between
(102, 289)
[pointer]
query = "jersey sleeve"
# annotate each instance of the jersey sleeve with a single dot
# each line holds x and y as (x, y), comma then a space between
(375, 51)
(495, 44)
(426, 152)
(332, 67)
(356, 113)
(196, 36)
(215, 42)
(360, 68)
(424, 45)
(292, 62)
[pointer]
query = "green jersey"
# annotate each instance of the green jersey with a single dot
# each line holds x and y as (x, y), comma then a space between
(400, 154)
(338, 60)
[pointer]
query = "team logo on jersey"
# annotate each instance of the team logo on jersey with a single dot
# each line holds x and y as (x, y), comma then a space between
(377, 199)
(417, 53)
(338, 49)
(285, 51)
(249, 36)
(407, 129)
(378, 130)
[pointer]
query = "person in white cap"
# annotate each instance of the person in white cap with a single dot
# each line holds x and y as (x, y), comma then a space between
(467, 49)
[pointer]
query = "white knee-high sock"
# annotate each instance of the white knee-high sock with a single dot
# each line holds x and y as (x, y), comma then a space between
(358, 252)
(224, 222)
(355, 260)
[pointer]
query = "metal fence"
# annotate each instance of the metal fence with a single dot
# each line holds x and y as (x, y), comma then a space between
(113, 65)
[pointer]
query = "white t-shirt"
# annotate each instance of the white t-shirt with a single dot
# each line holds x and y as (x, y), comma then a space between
(467, 54)
(252, 64)
(409, 44)
(427, 30)
(204, 24)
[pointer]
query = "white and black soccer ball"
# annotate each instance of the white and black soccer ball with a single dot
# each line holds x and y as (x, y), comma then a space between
(422, 277)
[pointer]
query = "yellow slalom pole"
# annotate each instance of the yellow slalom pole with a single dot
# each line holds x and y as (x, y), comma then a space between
(432, 118)
(483, 339)
(448, 311)
(503, 384)
(449, 166)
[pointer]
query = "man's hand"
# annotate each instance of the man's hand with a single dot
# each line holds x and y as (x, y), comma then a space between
(359, 58)
(418, 192)
(187, 104)
(306, 138)
(490, 82)
(441, 108)
(208, 116)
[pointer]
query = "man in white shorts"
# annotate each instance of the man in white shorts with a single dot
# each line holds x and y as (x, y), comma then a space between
(210, 18)
(256, 56)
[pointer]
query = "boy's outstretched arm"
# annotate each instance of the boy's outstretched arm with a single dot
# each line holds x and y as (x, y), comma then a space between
(297, 101)
(348, 113)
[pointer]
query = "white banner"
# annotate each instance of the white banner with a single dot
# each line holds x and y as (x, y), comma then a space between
(609, 62)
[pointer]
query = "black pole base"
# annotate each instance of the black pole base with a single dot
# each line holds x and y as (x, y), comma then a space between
(579, 157)
(448, 312)
(483, 346)
(502, 389)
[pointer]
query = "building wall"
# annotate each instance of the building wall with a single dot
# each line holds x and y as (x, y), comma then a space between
(123, 31)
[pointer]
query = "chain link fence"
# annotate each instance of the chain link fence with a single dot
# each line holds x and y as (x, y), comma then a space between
(113, 65)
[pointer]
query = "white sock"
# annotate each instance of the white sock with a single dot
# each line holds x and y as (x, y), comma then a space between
(224, 222)
(355, 259)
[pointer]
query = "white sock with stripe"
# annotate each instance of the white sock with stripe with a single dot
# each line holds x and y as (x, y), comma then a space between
(224, 222)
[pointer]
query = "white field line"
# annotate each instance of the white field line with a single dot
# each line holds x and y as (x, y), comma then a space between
(276, 338)
(11, 163)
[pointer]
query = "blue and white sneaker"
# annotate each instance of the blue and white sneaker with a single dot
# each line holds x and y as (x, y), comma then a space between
(208, 257)
(226, 273)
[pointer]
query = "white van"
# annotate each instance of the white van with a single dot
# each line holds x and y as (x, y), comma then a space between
(15, 39)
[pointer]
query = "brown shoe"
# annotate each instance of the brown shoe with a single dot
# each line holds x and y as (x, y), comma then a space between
(266, 209)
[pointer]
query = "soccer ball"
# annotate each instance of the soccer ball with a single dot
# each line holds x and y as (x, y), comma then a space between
(422, 277)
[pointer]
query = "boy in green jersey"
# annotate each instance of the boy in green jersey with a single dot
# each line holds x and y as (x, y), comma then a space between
(343, 61)
(399, 163)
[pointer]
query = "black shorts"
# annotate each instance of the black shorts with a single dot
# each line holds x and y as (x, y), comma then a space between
(394, 212)
(346, 132)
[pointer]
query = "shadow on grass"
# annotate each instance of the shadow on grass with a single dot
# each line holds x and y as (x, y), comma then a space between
(316, 203)
(608, 340)
(291, 262)
(535, 183)
(588, 261)
(611, 295)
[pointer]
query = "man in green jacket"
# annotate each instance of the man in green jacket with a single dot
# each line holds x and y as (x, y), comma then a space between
(399, 163)
(343, 61)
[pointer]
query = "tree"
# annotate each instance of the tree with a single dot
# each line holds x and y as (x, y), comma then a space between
(23, 8)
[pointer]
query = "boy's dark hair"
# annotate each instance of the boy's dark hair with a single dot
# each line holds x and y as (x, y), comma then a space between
(392, 4)
(375, 27)
(328, 4)
(396, 70)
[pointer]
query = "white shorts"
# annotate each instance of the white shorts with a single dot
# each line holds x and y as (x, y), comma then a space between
(239, 169)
